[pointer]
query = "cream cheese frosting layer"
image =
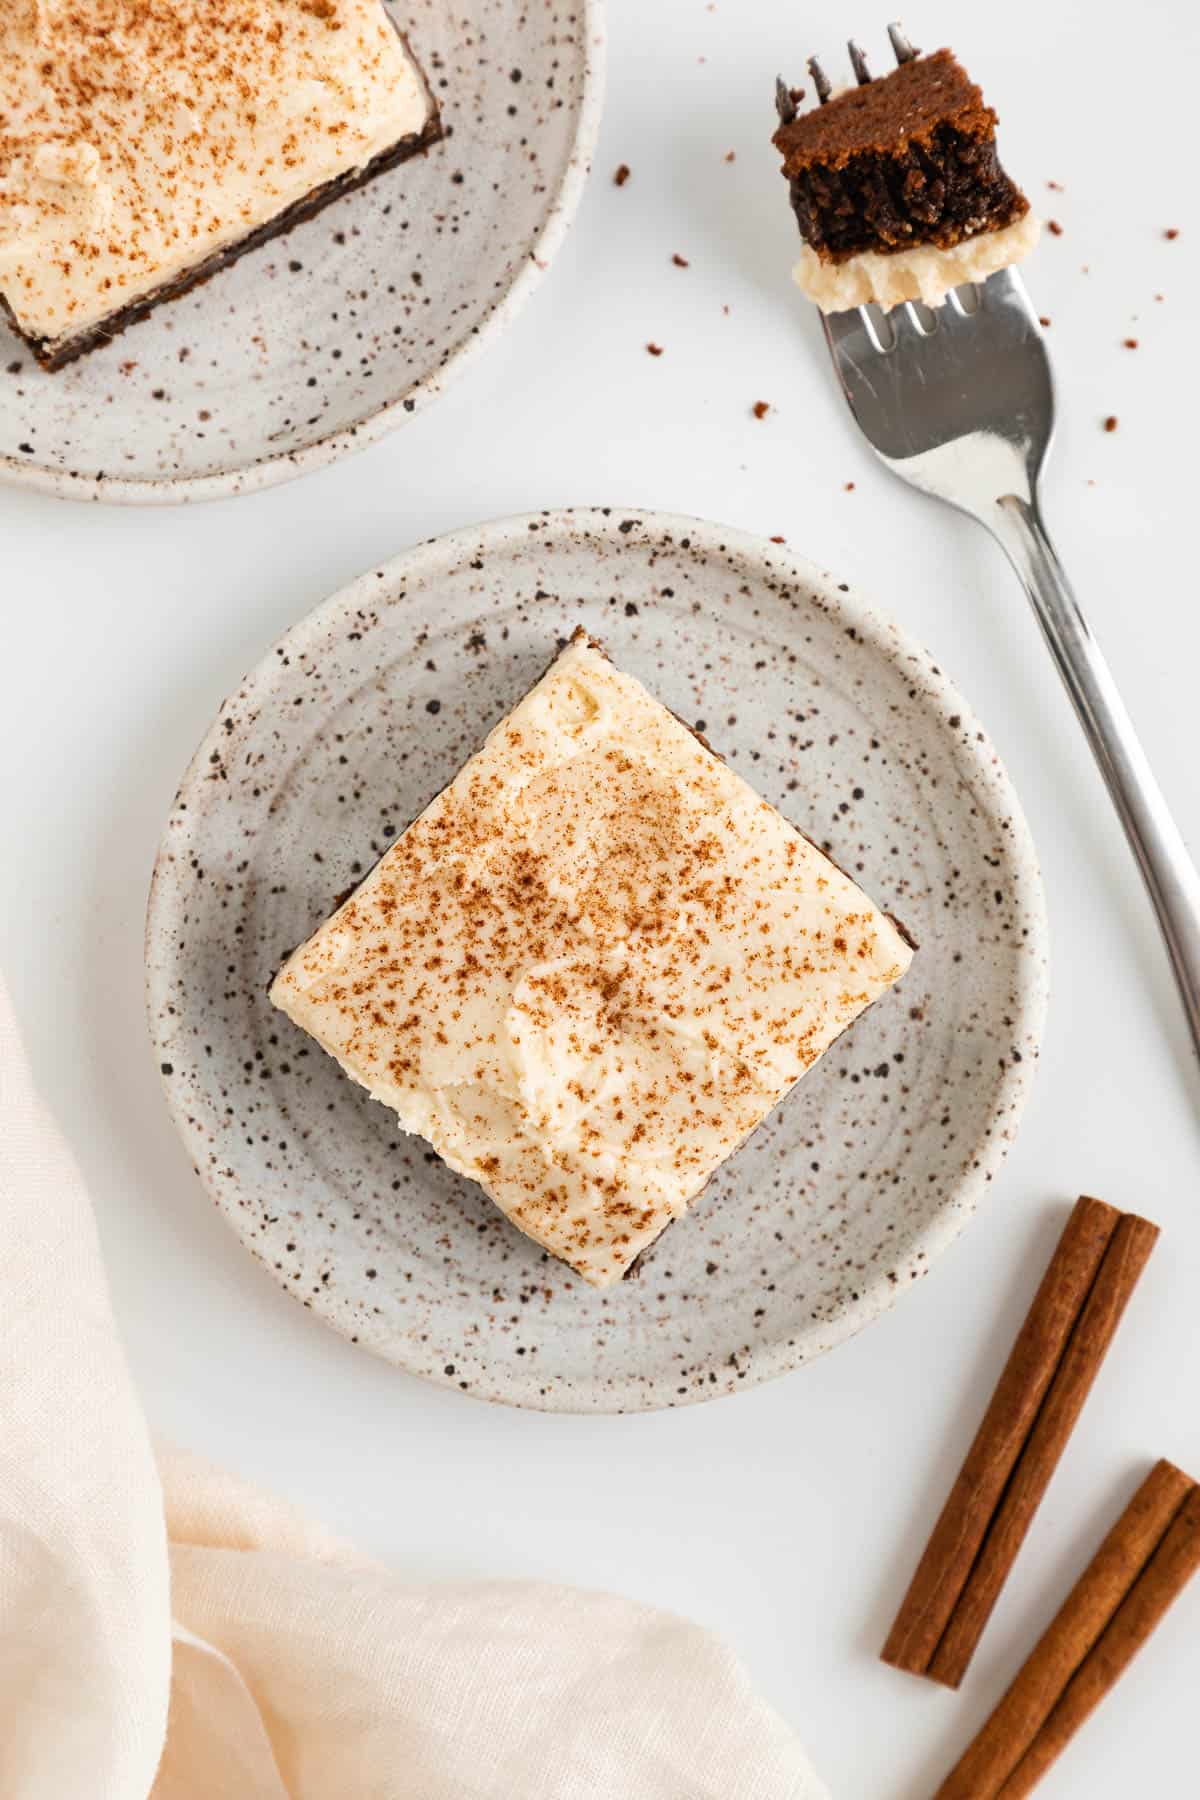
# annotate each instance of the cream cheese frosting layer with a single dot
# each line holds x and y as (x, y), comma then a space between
(138, 137)
(922, 273)
(591, 966)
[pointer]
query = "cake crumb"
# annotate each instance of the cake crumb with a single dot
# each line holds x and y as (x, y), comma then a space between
(849, 487)
(1171, 233)
(779, 540)
(1053, 226)
(655, 349)
(681, 262)
(1130, 343)
(623, 172)
(761, 408)
(1043, 320)
(1110, 424)
(731, 156)
(1158, 296)
(1057, 186)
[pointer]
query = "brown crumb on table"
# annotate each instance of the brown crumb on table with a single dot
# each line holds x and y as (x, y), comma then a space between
(655, 349)
(1171, 232)
(849, 487)
(681, 262)
(1130, 343)
(1056, 185)
(1052, 225)
(779, 540)
(1110, 424)
(731, 156)
(1043, 320)
(760, 409)
(622, 175)
(1158, 296)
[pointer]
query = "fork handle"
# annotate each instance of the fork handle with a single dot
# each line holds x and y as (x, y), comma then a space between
(1162, 856)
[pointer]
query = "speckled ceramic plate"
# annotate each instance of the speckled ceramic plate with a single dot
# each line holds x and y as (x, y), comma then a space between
(344, 732)
(321, 341)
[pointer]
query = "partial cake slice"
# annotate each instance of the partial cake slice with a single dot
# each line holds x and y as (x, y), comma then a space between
(591, 966)
(146, 143)
(898, 189)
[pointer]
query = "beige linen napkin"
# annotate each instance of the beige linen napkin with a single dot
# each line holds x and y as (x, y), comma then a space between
(167, 1630)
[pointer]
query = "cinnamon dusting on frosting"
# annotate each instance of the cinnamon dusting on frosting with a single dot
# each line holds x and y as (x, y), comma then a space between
(592, 966)
(137, 137)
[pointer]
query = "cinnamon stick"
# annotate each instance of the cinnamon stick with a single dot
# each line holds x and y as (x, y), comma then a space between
(1162, 1580)
(943, 1570)
(1122, 1264)
(981, 1772)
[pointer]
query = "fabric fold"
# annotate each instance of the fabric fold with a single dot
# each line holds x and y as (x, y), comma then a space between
(168, 1630)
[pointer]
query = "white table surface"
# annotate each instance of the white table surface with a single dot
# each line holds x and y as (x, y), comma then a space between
(788, 1517)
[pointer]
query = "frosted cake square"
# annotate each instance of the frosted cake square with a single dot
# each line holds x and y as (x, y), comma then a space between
(592, 966)
(146, 143)
(898, 189)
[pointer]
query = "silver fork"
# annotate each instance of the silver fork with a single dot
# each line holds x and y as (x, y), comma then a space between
(960, 403)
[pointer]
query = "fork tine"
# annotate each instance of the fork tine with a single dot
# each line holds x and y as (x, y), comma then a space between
(1001, 289)
(841, 327)
(903, 50)
(924, 318)
(908, 327)
(820, 80)
(785, 106)
(859, 63)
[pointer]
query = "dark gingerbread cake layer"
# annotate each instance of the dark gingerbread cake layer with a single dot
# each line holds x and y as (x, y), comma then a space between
(56, 354)
(289, 106)
(907, 159)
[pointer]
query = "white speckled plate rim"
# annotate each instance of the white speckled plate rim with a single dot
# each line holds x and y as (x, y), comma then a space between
(875, 627)
(372, 426)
